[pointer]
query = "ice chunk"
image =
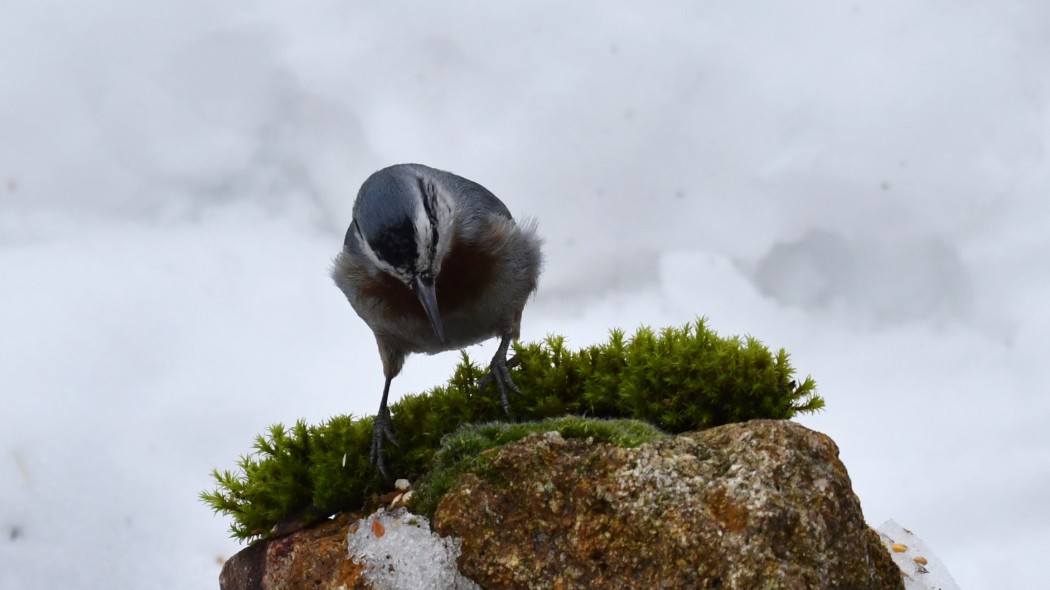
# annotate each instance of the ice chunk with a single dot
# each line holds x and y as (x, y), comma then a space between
(400, 552)
(922, 570)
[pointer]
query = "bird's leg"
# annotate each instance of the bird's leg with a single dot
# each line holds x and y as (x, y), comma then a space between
(382, 431)
(499, 372)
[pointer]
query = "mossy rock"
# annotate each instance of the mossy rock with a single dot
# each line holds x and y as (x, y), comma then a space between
(467, 449)
(677, 380)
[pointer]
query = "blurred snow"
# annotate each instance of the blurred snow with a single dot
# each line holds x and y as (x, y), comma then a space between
(862, 183)
(400, 552)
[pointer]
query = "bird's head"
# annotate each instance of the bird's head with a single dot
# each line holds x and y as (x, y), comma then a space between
(405, 221)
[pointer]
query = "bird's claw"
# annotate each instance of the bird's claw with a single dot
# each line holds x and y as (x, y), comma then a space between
(382, 431)
(499, 373)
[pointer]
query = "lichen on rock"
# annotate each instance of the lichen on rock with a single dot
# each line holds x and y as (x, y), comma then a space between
(763, 504)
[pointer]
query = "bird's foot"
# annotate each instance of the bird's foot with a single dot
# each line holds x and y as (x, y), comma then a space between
(382, 431)
(499, 373)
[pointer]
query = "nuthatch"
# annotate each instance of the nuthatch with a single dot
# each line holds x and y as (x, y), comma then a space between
(434, 262)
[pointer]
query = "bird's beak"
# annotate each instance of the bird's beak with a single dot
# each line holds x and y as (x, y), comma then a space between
(424, 288)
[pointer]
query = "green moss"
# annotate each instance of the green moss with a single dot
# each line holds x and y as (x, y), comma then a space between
(465, 449)
(678, 379)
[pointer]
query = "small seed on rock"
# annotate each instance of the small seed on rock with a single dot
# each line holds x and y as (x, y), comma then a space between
(921, 560)
(898, 548)
(377, 528)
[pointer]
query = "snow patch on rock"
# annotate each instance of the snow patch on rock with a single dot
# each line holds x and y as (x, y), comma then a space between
(400, 552)
(922, 569)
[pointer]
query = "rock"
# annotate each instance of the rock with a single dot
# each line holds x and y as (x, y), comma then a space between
(315, 558)
(762, 504)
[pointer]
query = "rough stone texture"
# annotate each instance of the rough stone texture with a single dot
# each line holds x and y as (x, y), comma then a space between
(760, 505)
(314, 558)
(763, 504)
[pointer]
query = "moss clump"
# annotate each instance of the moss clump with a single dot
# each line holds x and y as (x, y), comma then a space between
(464, 449)
(302, 473)
(678, 379)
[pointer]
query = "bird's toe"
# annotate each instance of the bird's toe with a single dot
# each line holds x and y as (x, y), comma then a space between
(499, 374)
(382, 432)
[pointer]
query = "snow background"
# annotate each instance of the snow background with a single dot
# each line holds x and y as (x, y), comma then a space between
(863, 183)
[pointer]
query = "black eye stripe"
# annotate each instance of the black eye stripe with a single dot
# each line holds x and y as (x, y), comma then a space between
(396, 245)
(429, 192)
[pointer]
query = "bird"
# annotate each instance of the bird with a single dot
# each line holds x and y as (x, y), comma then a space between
(432, 262)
